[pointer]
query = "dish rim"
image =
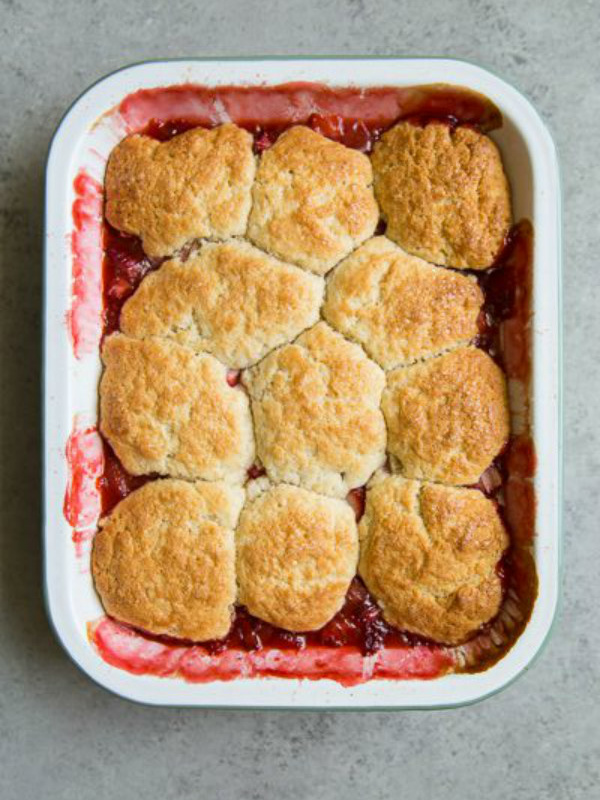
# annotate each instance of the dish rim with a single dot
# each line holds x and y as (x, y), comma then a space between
(126, 685)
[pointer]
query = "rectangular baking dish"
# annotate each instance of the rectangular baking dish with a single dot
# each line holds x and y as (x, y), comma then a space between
(80, 146)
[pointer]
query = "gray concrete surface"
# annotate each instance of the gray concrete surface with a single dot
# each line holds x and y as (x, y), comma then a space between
(60, 736)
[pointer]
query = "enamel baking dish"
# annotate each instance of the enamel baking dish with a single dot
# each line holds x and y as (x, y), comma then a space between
(80, 148)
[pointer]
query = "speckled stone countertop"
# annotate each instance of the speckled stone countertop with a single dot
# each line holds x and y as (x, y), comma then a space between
(60, 735)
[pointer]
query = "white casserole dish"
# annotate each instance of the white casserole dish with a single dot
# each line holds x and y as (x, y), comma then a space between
(82, 142)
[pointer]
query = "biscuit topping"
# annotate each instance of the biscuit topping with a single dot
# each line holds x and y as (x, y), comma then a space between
(312, 200)
(443, 192)
(296, 556)
(398, 307)
(230, 299)
(315, 405)
(168, 410)
(448, 417)
(429, 555)
(164, 560)
(196, 185)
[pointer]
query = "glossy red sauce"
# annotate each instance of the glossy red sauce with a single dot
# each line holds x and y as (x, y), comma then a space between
(357, 498)
(504, 320)
(125, 264)
(358, 625)
(255, 472)
(129, 650)
(85, 462)
(84, 455)
(355, 118)
(233, 376)
(84, 322)
(274, 108)
(116, 483)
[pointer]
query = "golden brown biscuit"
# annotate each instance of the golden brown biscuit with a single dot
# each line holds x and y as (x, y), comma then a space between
(196, 185)
(398, 307)
(296, 554)
(448, 417)
(443, 193)
(316, 413)
(429, 555)
(166, 409)
(312, 200)
(231, 300)
(164, 560)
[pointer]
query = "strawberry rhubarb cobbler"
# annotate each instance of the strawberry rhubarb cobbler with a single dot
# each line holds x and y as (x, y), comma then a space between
(314, 391)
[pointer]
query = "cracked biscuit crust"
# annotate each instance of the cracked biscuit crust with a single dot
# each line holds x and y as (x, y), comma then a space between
(447, 417)
(230, 299)
(164, 560)
(443, 193)
(196, 185)
(429, 555)
(399, 307)
(166, 409)
(312, 200)
(296, 555)
(315, 404)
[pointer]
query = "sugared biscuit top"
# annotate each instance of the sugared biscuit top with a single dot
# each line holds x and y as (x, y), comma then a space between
(447, 417)
(399, 307)
(197, 185)
(312, 200)
(443, 192)
(229, 299)
(316, 413)
(429, 555)
(166, 409)
(164, 560)
(296, 554)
